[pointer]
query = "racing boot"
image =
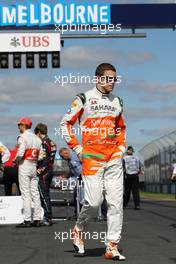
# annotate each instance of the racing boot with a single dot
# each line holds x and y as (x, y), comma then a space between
(112, 252)
(78, 242)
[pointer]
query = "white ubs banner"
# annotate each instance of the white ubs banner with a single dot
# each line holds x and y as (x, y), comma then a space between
(11, 210)
(30, 42)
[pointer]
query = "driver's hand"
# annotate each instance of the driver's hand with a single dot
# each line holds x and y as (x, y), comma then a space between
(40, 170)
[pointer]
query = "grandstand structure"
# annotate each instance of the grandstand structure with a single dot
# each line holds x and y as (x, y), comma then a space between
(159, 158)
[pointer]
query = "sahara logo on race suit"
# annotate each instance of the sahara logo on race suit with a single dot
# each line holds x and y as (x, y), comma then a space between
(103, 107)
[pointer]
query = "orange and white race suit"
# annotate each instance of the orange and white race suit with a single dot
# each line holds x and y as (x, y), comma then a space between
(102, 128)
(103, 143)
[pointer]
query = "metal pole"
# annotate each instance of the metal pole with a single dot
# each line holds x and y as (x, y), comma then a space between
(102, 36)
(83, 35)
(78, 196)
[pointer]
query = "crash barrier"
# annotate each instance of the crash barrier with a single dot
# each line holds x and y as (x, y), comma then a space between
(63, 188)
(62, 195)
(11, 210)
(168, 188)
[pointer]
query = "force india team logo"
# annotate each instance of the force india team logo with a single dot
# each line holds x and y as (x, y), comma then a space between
(1, 150)
(74, 104)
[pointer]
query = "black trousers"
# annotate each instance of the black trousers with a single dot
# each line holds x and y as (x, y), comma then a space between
(104, 208)
(44, 190)
(131, 185)
(79, 181)
(10, 176)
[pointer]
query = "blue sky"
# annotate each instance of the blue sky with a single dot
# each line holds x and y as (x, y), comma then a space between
(148, 87)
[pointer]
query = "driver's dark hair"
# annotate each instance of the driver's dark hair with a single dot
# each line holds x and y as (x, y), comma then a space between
(104, 67)
(130, 148)
(42, 128)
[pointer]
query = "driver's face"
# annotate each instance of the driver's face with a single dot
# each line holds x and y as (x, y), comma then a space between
(108, 80)
(21, 128)
(130, 152)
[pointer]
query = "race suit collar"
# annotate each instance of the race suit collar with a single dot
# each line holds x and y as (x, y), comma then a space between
(27, 131)
(100, 93)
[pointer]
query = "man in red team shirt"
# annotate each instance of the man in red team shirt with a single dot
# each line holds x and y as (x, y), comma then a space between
(29, 146)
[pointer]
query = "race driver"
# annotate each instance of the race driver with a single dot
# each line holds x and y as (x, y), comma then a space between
(4, 155)
(99, 113)
(45, 171)
(29, 146)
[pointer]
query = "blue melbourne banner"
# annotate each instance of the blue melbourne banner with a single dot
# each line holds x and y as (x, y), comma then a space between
(144, 15)
(44, 13)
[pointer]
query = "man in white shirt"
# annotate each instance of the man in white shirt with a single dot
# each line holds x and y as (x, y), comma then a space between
(132, 168)
(29, 146)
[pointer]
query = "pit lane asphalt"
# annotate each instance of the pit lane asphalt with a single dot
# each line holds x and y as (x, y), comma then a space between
(148, 237)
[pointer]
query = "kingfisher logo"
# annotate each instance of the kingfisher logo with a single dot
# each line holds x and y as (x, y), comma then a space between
(43, 13)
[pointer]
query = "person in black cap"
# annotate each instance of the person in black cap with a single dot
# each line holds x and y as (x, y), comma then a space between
(132, 169)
